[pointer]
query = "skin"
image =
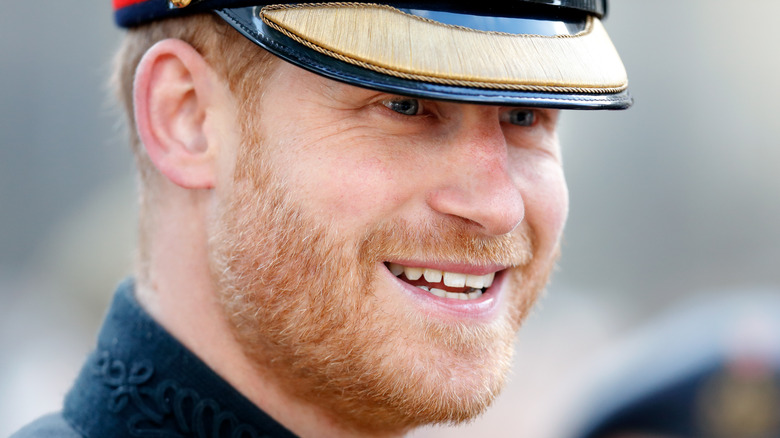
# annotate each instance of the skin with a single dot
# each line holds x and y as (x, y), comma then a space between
(354, 163)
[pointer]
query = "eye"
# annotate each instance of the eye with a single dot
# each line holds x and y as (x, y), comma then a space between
(403, 105)
(519, 117)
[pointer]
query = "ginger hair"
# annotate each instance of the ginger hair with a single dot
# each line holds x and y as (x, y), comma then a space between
(238, 61)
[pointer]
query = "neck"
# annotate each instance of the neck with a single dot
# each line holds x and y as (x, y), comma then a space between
(178, 292)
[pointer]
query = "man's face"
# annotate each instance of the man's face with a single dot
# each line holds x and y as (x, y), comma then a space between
(340, 199)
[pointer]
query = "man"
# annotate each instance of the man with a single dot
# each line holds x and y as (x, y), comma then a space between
(341, 239)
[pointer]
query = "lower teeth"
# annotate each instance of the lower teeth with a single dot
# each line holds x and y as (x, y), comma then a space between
(471, 294)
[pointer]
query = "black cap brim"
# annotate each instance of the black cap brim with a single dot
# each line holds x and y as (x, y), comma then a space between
(606, 89)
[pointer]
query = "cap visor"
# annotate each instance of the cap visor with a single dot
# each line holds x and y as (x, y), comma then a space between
(480, 59)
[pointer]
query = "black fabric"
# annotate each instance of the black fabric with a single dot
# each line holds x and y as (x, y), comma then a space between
(149, 10)
(49, 426)
(141, 382)
(670, 410)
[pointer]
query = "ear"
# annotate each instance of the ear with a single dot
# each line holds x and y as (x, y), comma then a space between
(172, 93)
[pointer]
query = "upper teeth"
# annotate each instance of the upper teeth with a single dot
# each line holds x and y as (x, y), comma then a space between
(451, 279)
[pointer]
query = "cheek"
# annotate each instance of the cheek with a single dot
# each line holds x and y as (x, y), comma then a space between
(350, 187)
(365, 186)
(546, 198)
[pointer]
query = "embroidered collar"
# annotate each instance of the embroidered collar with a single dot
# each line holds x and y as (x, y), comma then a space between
(141, 382)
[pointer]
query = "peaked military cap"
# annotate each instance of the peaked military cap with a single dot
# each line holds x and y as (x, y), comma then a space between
(542, 53)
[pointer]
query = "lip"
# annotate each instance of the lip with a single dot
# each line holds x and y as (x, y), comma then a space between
(483, 309)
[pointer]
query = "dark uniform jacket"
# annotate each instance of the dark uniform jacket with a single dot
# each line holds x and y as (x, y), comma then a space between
(141, 382)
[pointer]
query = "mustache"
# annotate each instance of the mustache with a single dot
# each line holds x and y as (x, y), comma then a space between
(452, 240)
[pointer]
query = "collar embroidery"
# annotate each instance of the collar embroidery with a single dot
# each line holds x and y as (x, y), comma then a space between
(141, 382)
(193, 414)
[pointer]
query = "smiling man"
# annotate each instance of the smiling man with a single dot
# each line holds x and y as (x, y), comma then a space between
(347, 210)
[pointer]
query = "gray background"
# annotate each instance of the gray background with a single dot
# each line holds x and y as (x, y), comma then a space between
(676, 198)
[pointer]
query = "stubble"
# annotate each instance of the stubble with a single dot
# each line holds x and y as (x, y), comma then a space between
(304, 305)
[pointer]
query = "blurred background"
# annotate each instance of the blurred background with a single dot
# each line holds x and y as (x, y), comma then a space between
(673, 203)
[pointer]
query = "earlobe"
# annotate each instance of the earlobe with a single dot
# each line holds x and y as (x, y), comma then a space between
(171, 101)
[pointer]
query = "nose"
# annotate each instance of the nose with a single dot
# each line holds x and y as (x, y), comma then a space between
(477, 182)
